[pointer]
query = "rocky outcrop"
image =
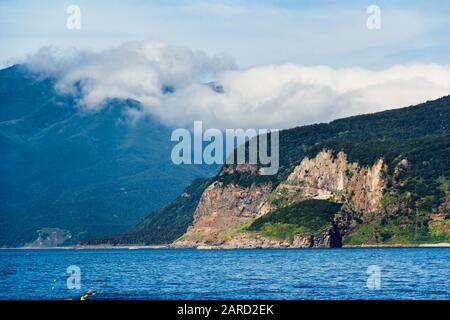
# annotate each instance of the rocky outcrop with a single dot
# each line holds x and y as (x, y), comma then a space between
(50, 237)
(224, 210)
(236, 200)
(333, 177)
(330, 238)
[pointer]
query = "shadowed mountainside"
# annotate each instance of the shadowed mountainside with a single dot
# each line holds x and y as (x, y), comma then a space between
(80, 174)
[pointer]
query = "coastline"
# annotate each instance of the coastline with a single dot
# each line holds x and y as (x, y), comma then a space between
(88, 247)
(423, 245)
(136, 247)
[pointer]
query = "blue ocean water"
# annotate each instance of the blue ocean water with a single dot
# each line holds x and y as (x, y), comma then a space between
(406, 273)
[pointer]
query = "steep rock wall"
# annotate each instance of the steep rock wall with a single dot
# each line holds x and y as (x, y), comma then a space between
(224, 210)
(333, 177)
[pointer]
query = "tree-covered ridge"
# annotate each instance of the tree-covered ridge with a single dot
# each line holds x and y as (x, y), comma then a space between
(365, 138)
(88, 174)
(164, 225)
(420, 134)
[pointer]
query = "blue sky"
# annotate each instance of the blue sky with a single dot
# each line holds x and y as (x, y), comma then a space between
(254, 32)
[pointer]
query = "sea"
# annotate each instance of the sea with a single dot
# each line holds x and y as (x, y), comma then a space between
(293, 274)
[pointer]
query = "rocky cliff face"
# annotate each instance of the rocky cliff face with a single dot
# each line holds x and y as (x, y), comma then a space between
(224, 210)
(390, 184)
(329, 177)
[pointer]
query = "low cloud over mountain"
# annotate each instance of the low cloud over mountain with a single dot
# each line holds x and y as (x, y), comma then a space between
(170, 82)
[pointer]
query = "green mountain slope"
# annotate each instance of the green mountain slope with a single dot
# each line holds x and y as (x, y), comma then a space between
(415, 200)
(164, 225)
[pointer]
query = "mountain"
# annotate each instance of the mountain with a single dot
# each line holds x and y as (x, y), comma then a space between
(68, 174)
(380, 178)
(161, 226)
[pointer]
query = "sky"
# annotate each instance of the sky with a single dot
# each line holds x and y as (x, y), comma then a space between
(281, 63)
(254, 32)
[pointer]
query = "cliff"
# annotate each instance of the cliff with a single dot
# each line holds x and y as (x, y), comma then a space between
(374, 179)
(381, 178)
(224, 211)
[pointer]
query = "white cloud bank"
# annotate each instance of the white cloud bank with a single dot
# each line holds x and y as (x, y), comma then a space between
(270, 96)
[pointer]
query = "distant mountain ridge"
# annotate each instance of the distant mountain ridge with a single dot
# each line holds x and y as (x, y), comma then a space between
(76, 174)
(380, 178)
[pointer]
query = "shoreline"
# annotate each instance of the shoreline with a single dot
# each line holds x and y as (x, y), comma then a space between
(137, 247)
(88, 247)
(421, 245)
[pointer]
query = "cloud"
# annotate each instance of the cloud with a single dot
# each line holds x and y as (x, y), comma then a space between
(170, 82)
